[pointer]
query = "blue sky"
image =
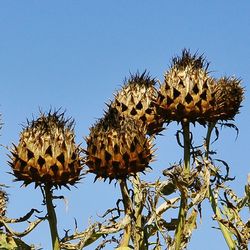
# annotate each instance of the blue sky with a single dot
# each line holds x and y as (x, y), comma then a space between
(75, 54)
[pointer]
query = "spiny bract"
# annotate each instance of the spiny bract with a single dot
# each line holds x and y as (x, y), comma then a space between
(117, 147)
(137, 99)
(187, 93)
(47, 153)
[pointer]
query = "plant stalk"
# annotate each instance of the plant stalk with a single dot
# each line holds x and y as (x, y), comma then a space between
(139, 200)
(52, 218)
(184, 199)
(187, 144)
(208, 139)
(128, 210)
(227, 236)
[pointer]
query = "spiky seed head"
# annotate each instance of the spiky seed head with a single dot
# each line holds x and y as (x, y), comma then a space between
(229, 96)
(47, 153)
(3, 202)
(117, 147)
(187, 93)
(137, 99)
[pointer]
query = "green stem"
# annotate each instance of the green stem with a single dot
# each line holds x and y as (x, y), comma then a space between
(128, 211)
(208, 138)
(139, 203)
(184, 199)
(52, 218)
(225, 232)
(216, 210)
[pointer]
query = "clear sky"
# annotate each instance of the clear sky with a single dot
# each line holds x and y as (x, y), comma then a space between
(75, 54)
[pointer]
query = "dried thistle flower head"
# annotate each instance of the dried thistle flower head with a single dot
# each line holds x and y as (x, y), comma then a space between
(229, 96)
(187, 93)
(117, 147)
(137, 99)
(47, 153)
(3, 202)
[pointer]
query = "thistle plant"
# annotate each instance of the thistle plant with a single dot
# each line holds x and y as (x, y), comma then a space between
(118, 148)
(47, 156)
(186, 96)
(161, 214)
(229, 96)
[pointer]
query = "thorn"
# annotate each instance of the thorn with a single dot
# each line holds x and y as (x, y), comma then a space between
(96, 178)
(150, 167)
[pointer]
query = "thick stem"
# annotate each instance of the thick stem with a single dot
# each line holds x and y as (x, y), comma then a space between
(184, 199)
(52, 218)
(128, 211)
(216, 210)
(138, 203)
(181, 222)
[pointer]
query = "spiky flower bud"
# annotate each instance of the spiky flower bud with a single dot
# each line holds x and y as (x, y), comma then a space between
(137, 99)
(47, 153)
(3, 202)
(190, 94)
(229, 96)
(187, 93)
(117, 147)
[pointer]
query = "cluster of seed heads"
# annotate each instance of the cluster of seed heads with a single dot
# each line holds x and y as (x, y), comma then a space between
(120, 144)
